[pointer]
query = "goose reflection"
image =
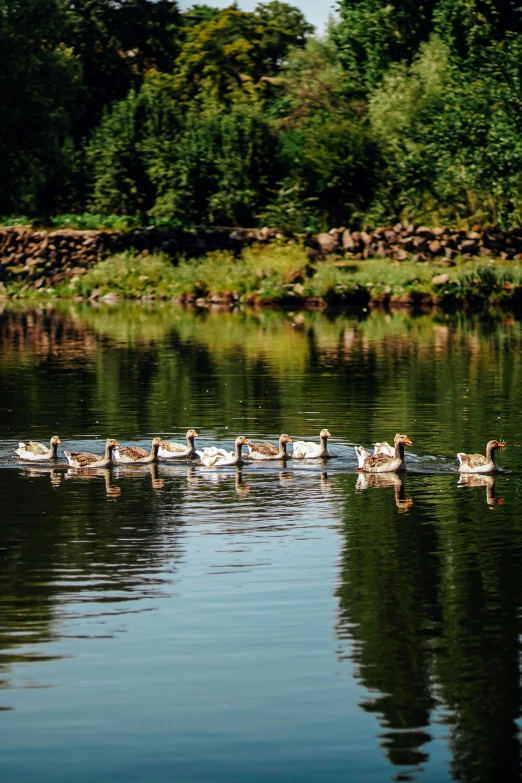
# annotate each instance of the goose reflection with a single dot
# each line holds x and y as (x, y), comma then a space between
(218, 479)
(113, 491)
(366, 480)
(484, 480)
(55, 476)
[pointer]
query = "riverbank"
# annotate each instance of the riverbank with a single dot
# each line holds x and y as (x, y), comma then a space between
(285, 276)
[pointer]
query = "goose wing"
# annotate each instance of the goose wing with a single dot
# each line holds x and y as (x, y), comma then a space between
(472, 460)
(132, 453)
(172, 448)
(303, 448)
(82, 459)
(33, 447)
(377, 460)
(265, 449)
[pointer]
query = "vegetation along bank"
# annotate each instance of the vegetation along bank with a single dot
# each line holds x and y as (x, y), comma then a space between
(401, 264)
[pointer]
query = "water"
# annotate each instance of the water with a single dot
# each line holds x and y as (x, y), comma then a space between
(285, 622)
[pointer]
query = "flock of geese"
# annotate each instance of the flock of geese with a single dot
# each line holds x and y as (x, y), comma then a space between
(384, 459)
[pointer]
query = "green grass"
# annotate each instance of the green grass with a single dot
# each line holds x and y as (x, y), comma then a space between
(275, 274)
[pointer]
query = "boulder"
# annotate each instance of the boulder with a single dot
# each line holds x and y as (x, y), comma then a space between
(327, 243)
(440, 279)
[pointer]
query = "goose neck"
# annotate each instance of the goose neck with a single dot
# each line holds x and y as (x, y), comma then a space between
(399, 450)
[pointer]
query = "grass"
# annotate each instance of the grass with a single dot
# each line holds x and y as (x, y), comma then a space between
(283, 274)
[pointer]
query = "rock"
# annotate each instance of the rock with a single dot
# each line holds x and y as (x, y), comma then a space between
(327, 242)
(299, 289)
(400, 254)
(440, 279)
(435, 247)
(424, 231)
(347, 240)
(469, 247)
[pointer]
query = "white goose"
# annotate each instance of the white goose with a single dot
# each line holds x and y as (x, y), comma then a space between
(309, 450)
(38, 452)
(212, 457)
(170, 450)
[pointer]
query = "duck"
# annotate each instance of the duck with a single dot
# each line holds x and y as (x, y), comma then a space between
(476, 463)
(378, 448)
(170, 450)
(309, 450)
(37, 452)
(264, 451)
(212, 457)
(386, 463)
(82, 459)
(135, 455)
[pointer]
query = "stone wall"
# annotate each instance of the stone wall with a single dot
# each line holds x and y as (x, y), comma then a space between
(45, 259)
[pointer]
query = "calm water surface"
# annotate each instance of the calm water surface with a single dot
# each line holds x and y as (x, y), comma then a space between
(294, 622)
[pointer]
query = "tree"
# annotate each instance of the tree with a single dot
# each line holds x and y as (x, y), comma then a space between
(39, 80)
(117, 43)
(234, 49)
(373, 34)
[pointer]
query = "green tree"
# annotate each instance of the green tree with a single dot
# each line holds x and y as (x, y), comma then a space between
(39, 80)
(373, 34)
(234, 49)
(117, 43)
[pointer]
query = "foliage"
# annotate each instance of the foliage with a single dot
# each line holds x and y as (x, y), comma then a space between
(222, 116)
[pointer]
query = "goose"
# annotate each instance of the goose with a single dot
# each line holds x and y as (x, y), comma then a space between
(378, 448)
(264, 451)
(135, 455)
(82, 459)
(476, 463)
(384, 463)
(170, 450)
(32, 450)
(309, 450)
(213, 457)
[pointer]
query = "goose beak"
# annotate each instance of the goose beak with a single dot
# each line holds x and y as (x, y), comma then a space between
(408, 442)
(501, 445)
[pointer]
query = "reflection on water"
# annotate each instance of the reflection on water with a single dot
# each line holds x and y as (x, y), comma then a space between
(276, 621)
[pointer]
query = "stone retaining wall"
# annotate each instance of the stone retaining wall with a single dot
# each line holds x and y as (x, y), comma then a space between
(45, 259)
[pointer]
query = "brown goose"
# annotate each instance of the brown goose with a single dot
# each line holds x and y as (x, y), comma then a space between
(476, 463)
(37, 452)
(264, 451)
(170, 450)
(135, 455)
(82, 459)
(384, 463)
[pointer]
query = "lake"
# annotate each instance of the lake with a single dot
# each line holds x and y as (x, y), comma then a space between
(284, 622)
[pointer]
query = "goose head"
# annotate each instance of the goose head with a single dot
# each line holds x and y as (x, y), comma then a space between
(495, 444)
(191, 434)
(55, 441)
(285, 439)
(402, 439)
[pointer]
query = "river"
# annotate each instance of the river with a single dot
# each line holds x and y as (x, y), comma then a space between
(291, 622)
